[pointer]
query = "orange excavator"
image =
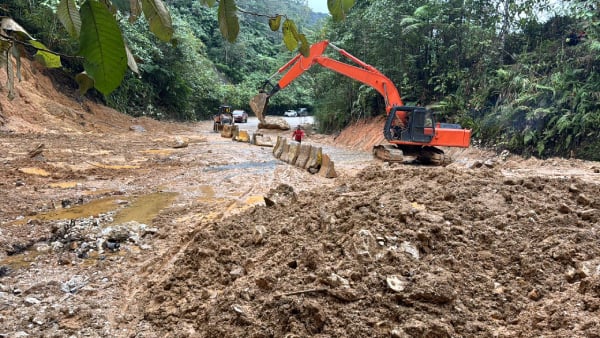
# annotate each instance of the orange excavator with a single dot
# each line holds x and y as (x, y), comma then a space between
(410, 131)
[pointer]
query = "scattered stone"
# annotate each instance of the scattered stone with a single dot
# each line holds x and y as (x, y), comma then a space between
(489, 163)
(74, 284)
(534, 295)
(259, 234)
(137, 128)
(282, 195)
(583, 200)
(475, 164)
(564, 209)
(179, 143)
(396, 283)
(32, 301)
(410, 249)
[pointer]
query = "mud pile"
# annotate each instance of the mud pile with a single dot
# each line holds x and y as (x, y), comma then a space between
(395, 251)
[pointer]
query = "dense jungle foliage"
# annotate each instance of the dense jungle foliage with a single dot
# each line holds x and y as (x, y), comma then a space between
(522, 74)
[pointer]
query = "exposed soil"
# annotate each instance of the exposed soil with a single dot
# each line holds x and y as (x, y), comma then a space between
(112, 226)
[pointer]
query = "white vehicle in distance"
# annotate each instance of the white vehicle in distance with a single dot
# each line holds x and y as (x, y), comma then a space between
(290, 113)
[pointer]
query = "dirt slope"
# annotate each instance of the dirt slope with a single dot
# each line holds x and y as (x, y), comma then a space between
(128, 227)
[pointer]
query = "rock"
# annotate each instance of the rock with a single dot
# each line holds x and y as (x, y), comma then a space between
(179, 143)
(273, 122)
(534, 295)
(75, 283)
(490, 163)
(335, 280)
(137, 128)
(396, 283)
(589, 215)
(283, 194)
(564, 209)
(583, 200)
(32, 301)
(475, 164)
(237, 272)
(410, 249)
(259, 234)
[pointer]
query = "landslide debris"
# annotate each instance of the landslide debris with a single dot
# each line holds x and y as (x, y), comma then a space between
(396, 251)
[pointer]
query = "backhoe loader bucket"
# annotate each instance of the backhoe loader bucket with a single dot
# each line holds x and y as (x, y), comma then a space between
(258, 104)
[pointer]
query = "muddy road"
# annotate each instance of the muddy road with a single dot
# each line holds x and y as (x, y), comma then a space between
(65, 209)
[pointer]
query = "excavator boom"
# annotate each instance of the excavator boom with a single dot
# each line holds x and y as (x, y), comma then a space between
(412, 129)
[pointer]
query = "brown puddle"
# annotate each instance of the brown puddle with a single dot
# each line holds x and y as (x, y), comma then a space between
(144, 208)
(92, 208)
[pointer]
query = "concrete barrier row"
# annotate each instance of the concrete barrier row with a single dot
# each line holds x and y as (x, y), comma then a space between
(304, 156)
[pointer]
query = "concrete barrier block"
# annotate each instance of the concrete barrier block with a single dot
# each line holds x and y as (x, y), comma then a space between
(242, 136)
(293, 153)
(314, 160)
(278, 149)
(285, 152)
(303, 155)
(327, 169)
(229, 130)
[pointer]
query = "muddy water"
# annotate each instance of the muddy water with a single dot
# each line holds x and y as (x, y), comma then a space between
(145, 208)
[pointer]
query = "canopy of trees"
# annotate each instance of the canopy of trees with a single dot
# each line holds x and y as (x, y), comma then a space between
(523, 76)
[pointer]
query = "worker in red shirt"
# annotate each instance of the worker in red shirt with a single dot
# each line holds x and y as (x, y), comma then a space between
(298, 134)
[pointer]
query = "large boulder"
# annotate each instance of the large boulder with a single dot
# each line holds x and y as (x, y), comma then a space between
(274, 122)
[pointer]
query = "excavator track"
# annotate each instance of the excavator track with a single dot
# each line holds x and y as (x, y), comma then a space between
(423, 155)
(388, 153)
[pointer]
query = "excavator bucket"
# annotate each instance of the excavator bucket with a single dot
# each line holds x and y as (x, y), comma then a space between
(258, 104)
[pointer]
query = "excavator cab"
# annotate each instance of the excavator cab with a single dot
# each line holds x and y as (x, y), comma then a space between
(419, 129)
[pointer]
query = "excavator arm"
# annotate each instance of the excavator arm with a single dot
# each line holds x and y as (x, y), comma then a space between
(363, 72)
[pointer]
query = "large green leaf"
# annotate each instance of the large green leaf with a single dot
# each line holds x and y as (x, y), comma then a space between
(290, 35)
(101, 45)
(339, 8)
(69, 16)
(304, 46)
(275, 23)
(159, 19)
(43, 56)
(228, 20)
(84, 81)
